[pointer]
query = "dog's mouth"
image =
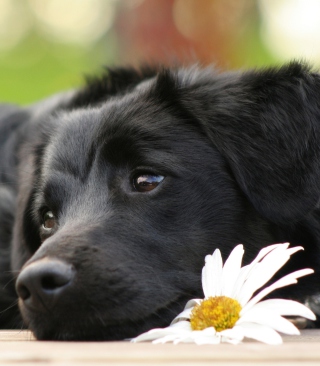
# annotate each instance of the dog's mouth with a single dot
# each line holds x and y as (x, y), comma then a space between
(93, 327)
(57, 302)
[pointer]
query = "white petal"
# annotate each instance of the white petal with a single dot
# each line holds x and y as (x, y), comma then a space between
(208, 332)
(193, 302)
(167, 338)
(200, 337)
(212, 274)
(185, 314)
(270, 319)
(217, 274)
(264, 251)
(206, 336)
(263, 272)
(234, 333)
(294, 250)
(178, 329)
(282, 282)
(286, 308)
(242, 276)
(260, 333)
(231, 270)
(149, 336)
(181, 340)
(207, 276)
(246, 270)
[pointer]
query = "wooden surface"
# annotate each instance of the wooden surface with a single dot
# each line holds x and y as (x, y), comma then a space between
(20, 348)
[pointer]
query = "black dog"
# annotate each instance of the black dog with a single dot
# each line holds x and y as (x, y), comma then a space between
(111, 196)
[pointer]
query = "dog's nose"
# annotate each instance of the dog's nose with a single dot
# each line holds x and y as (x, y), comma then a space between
(42, 283)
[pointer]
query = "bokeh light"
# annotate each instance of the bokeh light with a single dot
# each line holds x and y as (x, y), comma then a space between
(73, 21)
(48, 45)
(291, 28)
(15, 23)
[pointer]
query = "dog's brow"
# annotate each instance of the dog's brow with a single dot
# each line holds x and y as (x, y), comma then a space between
(120, 150)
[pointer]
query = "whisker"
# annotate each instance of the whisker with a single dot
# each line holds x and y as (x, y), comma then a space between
(12, 271)
(15, 303)
(98, 315)
(8, 283)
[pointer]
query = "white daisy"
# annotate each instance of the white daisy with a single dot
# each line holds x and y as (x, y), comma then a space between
(229, 312)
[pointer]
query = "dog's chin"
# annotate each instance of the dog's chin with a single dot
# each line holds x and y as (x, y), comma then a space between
(75, 332)
(86, 328)
(94, 332)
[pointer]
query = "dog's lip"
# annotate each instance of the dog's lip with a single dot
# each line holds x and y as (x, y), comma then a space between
(174, 306)
(109, 328)
(126, 329)
(27, 307)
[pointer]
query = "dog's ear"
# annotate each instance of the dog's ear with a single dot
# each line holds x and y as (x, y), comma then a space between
(267, 126)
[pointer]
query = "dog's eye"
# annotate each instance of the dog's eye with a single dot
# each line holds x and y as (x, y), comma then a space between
(49, 221)
(146, 182)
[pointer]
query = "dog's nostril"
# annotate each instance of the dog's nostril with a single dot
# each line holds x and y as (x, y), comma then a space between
(48, 283)
(54, 281)
(23, 292)
(44, 282)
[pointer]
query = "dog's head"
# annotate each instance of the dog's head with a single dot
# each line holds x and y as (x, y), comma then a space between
(121, 200)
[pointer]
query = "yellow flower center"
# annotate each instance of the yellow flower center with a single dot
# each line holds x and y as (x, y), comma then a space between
(220, 312)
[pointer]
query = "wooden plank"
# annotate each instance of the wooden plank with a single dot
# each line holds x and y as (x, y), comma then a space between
(16, 335)
(19, 347)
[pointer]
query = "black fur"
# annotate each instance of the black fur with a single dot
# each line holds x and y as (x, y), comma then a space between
(240, 155)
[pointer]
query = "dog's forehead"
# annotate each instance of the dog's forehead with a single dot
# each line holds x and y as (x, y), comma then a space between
(125, 128)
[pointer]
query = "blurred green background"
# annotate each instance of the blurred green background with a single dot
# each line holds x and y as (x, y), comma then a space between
(48, 45)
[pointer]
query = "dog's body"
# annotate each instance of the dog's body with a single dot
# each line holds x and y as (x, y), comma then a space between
(114, 194)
